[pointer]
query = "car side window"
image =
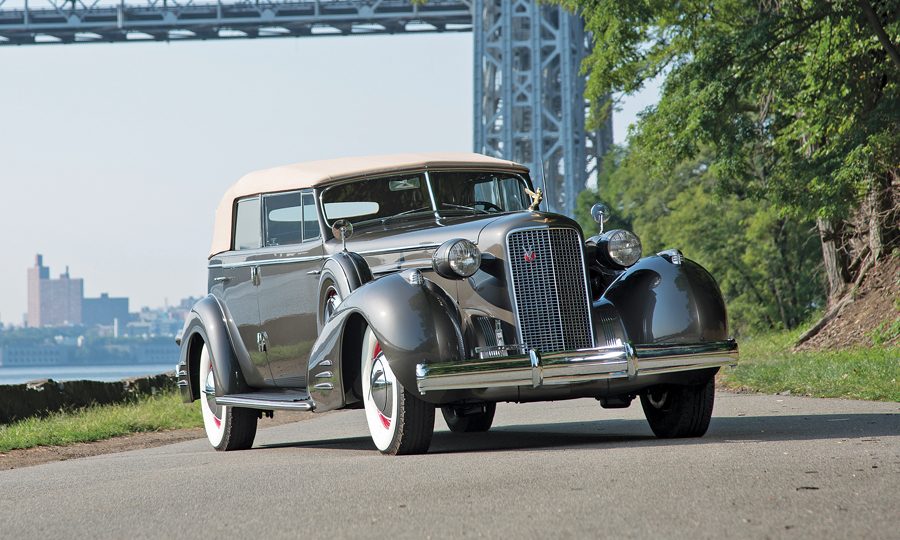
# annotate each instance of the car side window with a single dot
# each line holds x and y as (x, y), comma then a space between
(310, 218)
(247, 228)
(284, 219)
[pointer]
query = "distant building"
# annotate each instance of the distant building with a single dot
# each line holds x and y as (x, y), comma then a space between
(35, 355)
(104, 311)
(53, 302)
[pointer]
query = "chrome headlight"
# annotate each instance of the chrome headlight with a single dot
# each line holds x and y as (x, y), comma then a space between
(457, 258)
(620, 247)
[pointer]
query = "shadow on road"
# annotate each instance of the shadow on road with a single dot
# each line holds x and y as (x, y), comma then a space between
(635, 433)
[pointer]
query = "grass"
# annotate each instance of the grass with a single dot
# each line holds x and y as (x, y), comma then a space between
(767, 364)
(157, 413)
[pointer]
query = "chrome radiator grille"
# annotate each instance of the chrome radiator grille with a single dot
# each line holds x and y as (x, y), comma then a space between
(550, 289)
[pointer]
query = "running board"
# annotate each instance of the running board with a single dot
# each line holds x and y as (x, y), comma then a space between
(289, 401)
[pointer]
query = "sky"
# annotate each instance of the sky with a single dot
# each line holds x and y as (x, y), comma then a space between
(113, 157)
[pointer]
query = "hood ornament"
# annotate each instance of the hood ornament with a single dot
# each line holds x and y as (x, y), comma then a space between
(536, 198)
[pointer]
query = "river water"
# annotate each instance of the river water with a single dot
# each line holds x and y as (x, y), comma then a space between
(18, 375)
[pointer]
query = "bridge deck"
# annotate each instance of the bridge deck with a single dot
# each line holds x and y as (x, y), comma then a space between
(74, 21)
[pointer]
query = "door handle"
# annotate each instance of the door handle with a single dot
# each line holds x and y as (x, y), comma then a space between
(222, 279)
(254, 275)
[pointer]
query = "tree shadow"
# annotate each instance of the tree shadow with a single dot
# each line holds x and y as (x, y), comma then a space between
(636, 433)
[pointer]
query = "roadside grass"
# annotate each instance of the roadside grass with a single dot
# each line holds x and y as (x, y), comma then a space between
(157, 413)
(767, 364)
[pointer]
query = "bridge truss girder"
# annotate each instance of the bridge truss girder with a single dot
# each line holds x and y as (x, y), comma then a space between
(529, 95)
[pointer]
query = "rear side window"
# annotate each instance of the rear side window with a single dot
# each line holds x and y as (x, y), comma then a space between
(310, 219)
(247, 227)
(284, 219)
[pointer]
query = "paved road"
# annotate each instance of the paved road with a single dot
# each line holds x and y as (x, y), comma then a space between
(770, 466)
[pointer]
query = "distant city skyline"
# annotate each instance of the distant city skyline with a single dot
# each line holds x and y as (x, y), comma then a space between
(113, 157)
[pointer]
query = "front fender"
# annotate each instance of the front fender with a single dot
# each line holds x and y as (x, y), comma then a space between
(662, 302)
(414, 323)
(206, 323)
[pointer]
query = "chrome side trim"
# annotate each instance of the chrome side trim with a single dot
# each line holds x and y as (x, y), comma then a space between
(324, 386)
(430, 245)
(325, 375)
(267, 262)
(619, 361)
(249, 403)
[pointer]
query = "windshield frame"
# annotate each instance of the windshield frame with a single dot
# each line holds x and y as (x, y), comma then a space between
(435, 209)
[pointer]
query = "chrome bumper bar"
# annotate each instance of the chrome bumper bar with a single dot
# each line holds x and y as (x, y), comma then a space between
(621, 361)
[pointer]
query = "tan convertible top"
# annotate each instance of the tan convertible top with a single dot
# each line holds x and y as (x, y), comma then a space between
(318, 173)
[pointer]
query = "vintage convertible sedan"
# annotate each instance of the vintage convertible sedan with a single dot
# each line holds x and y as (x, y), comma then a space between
(397, 284)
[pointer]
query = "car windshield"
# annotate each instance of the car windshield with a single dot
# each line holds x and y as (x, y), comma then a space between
(377, 199)
(381, 200)
(478, 192)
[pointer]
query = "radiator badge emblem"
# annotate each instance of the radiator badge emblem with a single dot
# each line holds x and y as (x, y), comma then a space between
(529, 255)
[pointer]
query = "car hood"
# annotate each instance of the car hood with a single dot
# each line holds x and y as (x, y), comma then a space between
(488, 232)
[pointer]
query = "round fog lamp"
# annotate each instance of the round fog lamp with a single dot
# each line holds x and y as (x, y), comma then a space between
(457, 258)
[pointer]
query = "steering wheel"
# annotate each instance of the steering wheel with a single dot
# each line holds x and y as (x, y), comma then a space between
(488, 205)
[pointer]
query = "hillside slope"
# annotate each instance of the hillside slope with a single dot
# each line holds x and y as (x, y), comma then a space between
(877, 303)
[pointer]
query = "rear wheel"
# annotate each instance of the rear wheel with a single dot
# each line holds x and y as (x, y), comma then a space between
(679, 411)
(469, 418)
(399, 422)
(227, 428)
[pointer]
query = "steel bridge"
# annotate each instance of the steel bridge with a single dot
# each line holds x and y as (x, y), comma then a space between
(529, 103)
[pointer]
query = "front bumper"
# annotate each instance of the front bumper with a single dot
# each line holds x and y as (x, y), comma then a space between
(620, 361)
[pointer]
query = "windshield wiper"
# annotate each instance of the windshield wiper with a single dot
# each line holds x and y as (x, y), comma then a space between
(385, 219)
(464, 207)
(406, 213)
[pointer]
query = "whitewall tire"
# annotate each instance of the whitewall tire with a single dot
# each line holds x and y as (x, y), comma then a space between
(227, 428)
(399, 422)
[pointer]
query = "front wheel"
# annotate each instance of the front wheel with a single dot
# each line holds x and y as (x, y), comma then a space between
(227, 428)
(399, 422)
(679, 411)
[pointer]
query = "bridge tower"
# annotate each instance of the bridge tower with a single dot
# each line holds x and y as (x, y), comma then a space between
(529, 103)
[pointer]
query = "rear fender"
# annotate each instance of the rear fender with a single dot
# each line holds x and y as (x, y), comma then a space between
(414, 323)
(206, 323)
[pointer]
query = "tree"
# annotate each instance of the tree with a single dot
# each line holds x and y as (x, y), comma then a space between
(765, 263)
(795, 101)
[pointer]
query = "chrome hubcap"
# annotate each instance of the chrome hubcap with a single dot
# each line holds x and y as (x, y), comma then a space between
(382, 387)
(209, 392)
(332, 301)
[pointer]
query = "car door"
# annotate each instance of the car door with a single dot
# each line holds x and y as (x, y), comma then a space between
(288, 289)
(235, 282)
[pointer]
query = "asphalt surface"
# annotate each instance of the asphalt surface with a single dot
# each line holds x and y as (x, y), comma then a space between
(769, 467)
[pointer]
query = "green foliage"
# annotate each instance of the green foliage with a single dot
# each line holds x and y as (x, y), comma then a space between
(794, 102)
(768, 365)
(158, 413)
(766, 264)
(612, 161)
